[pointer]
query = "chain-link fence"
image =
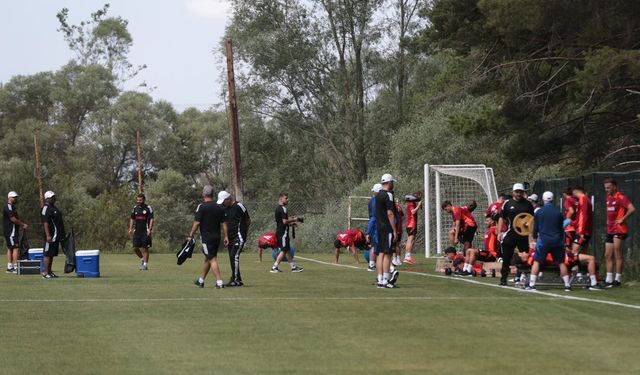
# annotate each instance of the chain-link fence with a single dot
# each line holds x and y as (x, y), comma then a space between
(593, 183)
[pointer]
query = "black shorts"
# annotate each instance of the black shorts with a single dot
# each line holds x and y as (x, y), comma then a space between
(568, 237)
(283, 241)
(210, 248)
(12, 242)
(398, 237)
(583, 241)
(485, 256)
(385, 243)
(51, 249)
(141, 241)
(337, 244)
(412, 231)
(467, 235)
(610, 237)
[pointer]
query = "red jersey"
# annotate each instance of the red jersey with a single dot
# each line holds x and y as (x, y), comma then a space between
(491, 241)
(349, 237)
(569, 204)
(617, 206)
(458, 261)
(494, 208)
(584, 216)
(412, 219)
(399, 218)
(269, 239)
(465, 216)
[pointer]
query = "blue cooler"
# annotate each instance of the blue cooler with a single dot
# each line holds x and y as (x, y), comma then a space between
(88, 263)
(37, 254)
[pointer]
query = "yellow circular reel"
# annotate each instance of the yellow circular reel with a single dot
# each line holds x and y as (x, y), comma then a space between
(523, 223)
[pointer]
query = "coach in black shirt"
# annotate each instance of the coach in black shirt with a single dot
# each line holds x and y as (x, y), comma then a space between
(386, 214)
(53, 231)
(511, 208)
(12, 225)
(141, 225)
(209, 217)
(238, 222)
(282, 234)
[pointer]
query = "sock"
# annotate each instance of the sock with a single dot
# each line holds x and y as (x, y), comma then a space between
(200, 280)
(618, 277)
(379, 278)
(385, 277)
(15, 265)
(609, 278)
(566, 281)
(539, 274)
(275, 264)
(532, 280)
(218, 282)
(594, 280)
(293, 265)
(144, 264)
(372, 264)
(407, 256)
(579, 275)
(9, 265)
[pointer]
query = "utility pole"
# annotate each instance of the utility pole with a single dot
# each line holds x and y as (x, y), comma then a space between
(36, 148)
(139, 157)
(233, 125)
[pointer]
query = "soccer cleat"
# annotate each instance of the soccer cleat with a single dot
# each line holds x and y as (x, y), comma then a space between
(371, 269)
(616, 283)
(394, 277)
(240, 283)
(219, 286)
(594, 287)
(53, 275)
(10, 270)
(199, 284)
(567, 288)
(529, 287)
(503, 283)
(297, 269)
(381, 285)
(46, 276)
(274, 270)
(409, 260)
(390, 286)
(144, 267)
(466, 274)
(457, 273)
(234, 283)
(606, 285)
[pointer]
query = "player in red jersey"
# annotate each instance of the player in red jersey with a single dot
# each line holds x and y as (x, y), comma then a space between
(414, 203)
(619, 208)
(350, 239)
(396, 246)
(457, 261)
(496, 207)
(267, 240)
(464, 225)
(569, 206)
(584, 220)
(490, 252)
(571, 260)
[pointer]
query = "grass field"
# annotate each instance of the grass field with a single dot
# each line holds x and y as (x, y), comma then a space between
(325, 320)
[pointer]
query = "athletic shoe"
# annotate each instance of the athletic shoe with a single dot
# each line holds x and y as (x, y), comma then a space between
(297, 269)
(466, 274)
(616, 283)
(219, 286)
(233, 283)
(409, 260)
(390, 286)
(10, 270)
(274, 270)
(240, 283)
(53, 275)
(595, 287)
(396, 262)
(567, 288)
(46, 276)
(199, 284)
(371, 269)
(394, 277)
(606, 285)
(529, 287)
(503, 283)
(457, 273)
(381, 286)
(143, 267)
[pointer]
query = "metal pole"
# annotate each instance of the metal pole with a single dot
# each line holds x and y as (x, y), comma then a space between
(138, 153)
(38, 169)
(427, 212)
(233, 124)
(438, 215)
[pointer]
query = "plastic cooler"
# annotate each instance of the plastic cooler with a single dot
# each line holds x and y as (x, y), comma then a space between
(88, 263)
(37, 254)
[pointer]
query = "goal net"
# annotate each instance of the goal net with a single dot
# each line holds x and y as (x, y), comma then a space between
(459, 184)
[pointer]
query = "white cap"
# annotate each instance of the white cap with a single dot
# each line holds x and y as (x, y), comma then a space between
(518, 186)
(12, 194)
(222, 196)
(547, 196)
(386, 178)
(533, 197)
(376, 188)
(49, 194)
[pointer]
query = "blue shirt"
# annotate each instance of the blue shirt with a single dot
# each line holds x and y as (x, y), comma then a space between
(548, 227)
(371, 227)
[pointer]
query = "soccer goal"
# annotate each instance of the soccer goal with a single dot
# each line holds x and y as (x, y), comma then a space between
(358, 212)
(459, 184)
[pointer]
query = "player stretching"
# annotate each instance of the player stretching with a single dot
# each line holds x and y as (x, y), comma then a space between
(350, 239)
(490, 252)
(267, 240)
(414, 203)
(464, 225)
(619, 208)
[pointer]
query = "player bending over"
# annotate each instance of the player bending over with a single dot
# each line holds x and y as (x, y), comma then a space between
(490, 252)
(351, 239)
(267, 240)
(464, 225)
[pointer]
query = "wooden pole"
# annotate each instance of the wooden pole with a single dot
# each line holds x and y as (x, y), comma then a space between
(233, 125)
(139, 157)
(38, 169)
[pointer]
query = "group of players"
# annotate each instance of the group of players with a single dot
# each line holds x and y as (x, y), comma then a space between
(546, 240)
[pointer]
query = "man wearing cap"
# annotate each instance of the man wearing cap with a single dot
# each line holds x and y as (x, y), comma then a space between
(511, 208)
(209, 217)
(53, 231)
(12, 224)
(533, 198)
(140, 228)
(385, 224)
(549, 232)
(238, 222)
(372, 232)
(282, 234)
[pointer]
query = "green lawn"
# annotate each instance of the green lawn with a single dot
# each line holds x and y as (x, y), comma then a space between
(325, 320)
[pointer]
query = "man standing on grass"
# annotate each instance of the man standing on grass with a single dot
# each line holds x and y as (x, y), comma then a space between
(372, 232)
(282, 234)
(238, 222)
(619, 208)
(584, 220)
(53, 232)
(414, 203)
(12, 225)
(209, 217)
(140, 228)
(385, 224)
(548, 230)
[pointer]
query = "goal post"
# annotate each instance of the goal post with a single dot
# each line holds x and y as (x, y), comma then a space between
(459, 184)
(357, 212)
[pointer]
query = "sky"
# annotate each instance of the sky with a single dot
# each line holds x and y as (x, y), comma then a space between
(176, 39)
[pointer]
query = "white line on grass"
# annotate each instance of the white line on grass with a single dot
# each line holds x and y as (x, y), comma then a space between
(561, 296)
